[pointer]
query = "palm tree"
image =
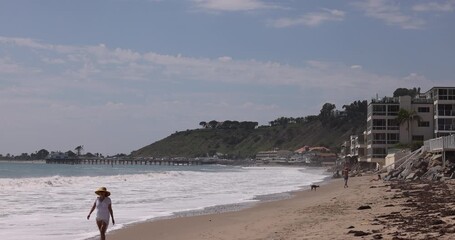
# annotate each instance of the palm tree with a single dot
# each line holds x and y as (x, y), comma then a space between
(405, 116)
(79, 149)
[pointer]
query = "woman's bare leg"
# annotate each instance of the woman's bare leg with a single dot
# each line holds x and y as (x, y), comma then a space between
(102, 226)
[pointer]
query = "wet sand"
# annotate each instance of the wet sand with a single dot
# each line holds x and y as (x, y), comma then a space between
(331, 212)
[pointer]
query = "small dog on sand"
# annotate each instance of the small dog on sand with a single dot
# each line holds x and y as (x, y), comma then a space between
(314, 187)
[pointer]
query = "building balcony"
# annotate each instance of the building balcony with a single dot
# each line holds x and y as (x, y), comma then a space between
(448, 113)
(448, 127)
(422, 100)
(385, 100)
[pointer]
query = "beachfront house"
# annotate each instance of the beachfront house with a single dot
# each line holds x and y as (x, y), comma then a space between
(274, 156)
(358, 146)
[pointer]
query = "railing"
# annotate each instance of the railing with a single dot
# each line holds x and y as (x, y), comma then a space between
(422, 100)
(446, 127)
(440, 144)
(446, 112)
(385, 100)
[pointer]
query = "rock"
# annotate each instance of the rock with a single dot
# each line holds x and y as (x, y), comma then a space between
(364, 207)
(389, 205)
(351, 227)
(358, 233)
(410, 176)
(377, 236)
(437, 222)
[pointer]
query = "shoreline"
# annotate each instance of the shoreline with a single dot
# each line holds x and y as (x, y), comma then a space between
(229, 208)
(232, 207)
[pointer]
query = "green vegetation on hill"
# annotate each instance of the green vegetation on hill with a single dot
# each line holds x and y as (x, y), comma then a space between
(330, 128)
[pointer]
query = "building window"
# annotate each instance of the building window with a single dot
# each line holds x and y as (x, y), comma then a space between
(392, 124)
(423, 109)
(393, 110)
(424, 124)
(379, 138)
(446, 110)
(446, 94)
(446, 124)
(379, 124)
(393, 138)
(379, 110)
(417, 138)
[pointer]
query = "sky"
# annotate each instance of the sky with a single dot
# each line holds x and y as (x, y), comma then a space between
(117, 75)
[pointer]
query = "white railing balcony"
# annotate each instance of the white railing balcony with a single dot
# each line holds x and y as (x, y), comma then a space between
(440, 144)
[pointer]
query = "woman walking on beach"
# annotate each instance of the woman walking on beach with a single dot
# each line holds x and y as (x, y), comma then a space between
(104, 211)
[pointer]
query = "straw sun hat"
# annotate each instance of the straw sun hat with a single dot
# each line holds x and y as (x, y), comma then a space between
(102, 189)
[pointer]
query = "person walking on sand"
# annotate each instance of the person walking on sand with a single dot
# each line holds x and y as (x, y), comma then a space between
(104, 211)
(345, 176)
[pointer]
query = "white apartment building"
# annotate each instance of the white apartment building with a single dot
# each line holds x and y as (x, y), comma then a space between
(444, 110)
(358, 146)
(383, 130)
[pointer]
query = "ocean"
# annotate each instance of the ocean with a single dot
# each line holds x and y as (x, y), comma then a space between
(51, 201)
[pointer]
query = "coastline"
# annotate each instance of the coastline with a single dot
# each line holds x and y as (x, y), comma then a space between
(233, 207)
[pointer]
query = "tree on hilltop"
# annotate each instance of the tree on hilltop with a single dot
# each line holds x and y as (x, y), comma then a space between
(203, 124)
(406, 92)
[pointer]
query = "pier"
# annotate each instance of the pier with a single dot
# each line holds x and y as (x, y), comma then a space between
(109, 161)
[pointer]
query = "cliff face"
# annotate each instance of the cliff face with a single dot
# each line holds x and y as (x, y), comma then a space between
(243, 143)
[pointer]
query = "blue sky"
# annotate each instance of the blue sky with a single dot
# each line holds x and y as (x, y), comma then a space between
(116, 75)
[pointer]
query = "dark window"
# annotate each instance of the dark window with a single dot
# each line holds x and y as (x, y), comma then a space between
(393, 124)
(393, 138)
(379, 109)
(423, 109)
(379, 124)
(393, 108)
(379, 138)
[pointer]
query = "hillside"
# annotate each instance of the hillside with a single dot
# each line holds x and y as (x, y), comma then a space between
(242, 143)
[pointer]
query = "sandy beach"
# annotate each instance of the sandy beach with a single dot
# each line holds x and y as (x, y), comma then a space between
(332, 212)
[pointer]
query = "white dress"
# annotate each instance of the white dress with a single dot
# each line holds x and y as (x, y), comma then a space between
(102, 209)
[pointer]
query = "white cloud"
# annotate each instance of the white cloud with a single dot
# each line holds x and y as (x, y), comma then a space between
(233, 5)
(356, 67)
(311, 19)
(389, 12)
(416, 78)
(9, 66)
(53, 60)
(102, 65)
(225, 59)
(23, 42)
(447, 6)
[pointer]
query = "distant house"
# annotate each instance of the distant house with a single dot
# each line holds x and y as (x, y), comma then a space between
(317, 154)
(306, 149)
(274, 156)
